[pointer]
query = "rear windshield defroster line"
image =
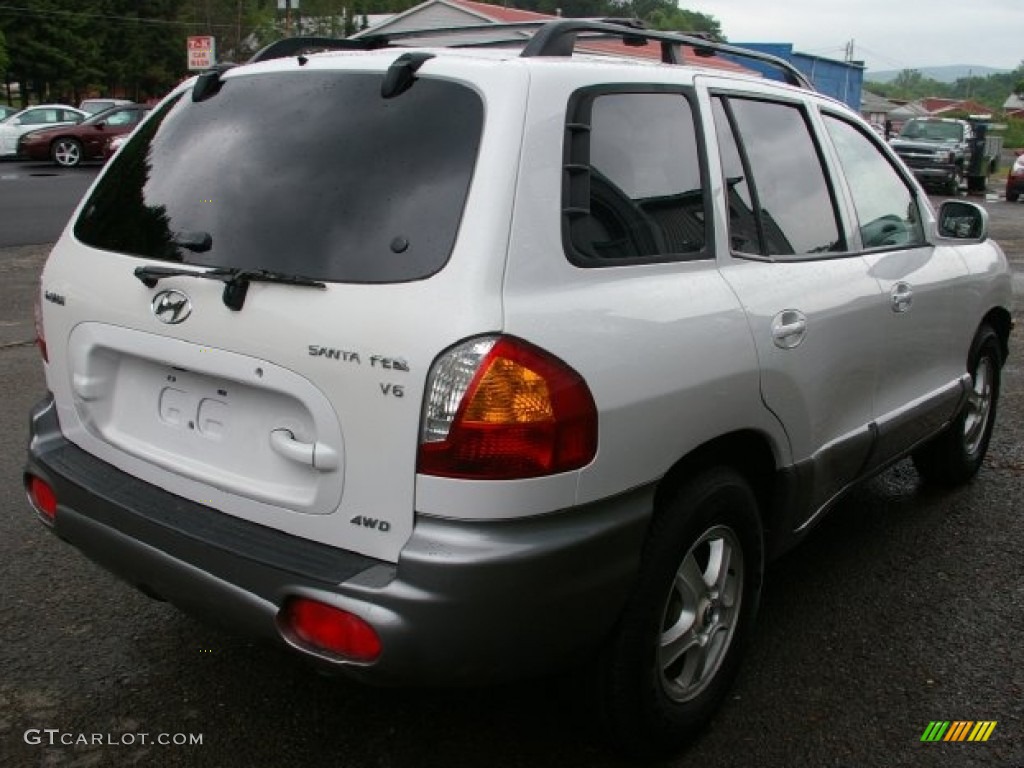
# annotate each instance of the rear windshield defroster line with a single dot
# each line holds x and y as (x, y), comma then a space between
(310, 173)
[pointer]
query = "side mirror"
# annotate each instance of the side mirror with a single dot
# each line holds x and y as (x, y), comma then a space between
(959, 220)
(101, 126)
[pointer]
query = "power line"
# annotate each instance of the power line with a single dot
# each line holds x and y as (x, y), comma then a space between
(108, 17)
(895, 64)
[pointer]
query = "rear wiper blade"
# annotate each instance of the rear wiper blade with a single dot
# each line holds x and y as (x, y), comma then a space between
(269, 276)
(236, 281)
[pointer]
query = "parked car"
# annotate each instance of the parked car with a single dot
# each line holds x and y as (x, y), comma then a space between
(1015, 179)
(6, 111)
(943, 152)
(69, 145)
(94, 106)
(116, 143)
(34, 118)
(532, 371)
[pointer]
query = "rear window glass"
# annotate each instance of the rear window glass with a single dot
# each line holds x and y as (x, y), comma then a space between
(312, 173)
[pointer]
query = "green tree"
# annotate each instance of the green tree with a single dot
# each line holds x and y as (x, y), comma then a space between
(52, 47)
(659, 14)
(3, 53)
(908, 80)
(678, 20)
(241, 27)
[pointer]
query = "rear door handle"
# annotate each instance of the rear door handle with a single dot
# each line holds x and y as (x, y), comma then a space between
(316, 455)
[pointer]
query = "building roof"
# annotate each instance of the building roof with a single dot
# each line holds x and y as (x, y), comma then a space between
(467, 12)
(873, 103)
(935, 106)
(906, 111)
(496, 13)
(1013, 102)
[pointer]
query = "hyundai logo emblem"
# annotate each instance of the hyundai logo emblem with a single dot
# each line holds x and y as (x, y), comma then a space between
(171, 307)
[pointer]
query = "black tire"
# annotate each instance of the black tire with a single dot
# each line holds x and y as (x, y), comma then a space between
(66, 152)
(1012, 197)
(652, 703)
(954, 457)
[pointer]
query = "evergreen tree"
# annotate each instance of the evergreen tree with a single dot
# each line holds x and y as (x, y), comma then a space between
(51, 50)
(3, 53)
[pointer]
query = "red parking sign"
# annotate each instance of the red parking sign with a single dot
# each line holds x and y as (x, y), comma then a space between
(201, 51)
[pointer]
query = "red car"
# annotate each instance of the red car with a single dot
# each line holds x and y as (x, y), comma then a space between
(68, 145)
(1015, 179)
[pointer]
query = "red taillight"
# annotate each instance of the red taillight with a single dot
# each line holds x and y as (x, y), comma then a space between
(42, 497)
(324, 628)
(524, 413)
(40, 333)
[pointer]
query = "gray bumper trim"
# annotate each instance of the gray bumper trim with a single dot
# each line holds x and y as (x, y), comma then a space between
(467, 602)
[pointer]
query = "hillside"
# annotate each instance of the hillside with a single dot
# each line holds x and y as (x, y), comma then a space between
(947, 74)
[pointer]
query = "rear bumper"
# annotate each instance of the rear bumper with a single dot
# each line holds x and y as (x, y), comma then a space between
(467, 601)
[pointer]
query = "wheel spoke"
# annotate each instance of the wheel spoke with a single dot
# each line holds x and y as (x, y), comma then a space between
(718, 565)
(694, 668)
(716, 643)
(690, 583)
(675, 641)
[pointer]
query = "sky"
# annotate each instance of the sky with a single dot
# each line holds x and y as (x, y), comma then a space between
(886, 34)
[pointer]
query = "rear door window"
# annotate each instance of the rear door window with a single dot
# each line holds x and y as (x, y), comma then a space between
(780, 198)
(311, 173)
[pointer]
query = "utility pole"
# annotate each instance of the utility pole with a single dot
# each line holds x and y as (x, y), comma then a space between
(286, 6)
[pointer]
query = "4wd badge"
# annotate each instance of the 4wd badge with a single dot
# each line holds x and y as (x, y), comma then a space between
(171, 307)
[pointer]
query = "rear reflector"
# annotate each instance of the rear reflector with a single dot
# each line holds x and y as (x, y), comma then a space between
(325, 629)
(42, 498)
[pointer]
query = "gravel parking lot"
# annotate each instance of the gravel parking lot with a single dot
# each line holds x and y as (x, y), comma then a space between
(904, 607)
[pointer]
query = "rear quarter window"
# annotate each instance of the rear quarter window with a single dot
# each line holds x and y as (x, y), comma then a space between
(634, 181)
(310, 173)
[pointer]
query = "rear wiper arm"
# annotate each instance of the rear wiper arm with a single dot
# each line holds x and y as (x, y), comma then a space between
(236, 281)
(152, 275)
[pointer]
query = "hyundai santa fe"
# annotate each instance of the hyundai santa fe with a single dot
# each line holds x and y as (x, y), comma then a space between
(469, 363)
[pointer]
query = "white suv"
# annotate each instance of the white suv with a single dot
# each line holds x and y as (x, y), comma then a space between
(445, 365)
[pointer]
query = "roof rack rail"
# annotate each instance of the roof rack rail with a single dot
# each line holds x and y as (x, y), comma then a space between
(292, 46)
(557, 37)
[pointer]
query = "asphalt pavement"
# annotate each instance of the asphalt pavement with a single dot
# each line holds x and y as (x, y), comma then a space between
(37, 199)
(904, 607)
